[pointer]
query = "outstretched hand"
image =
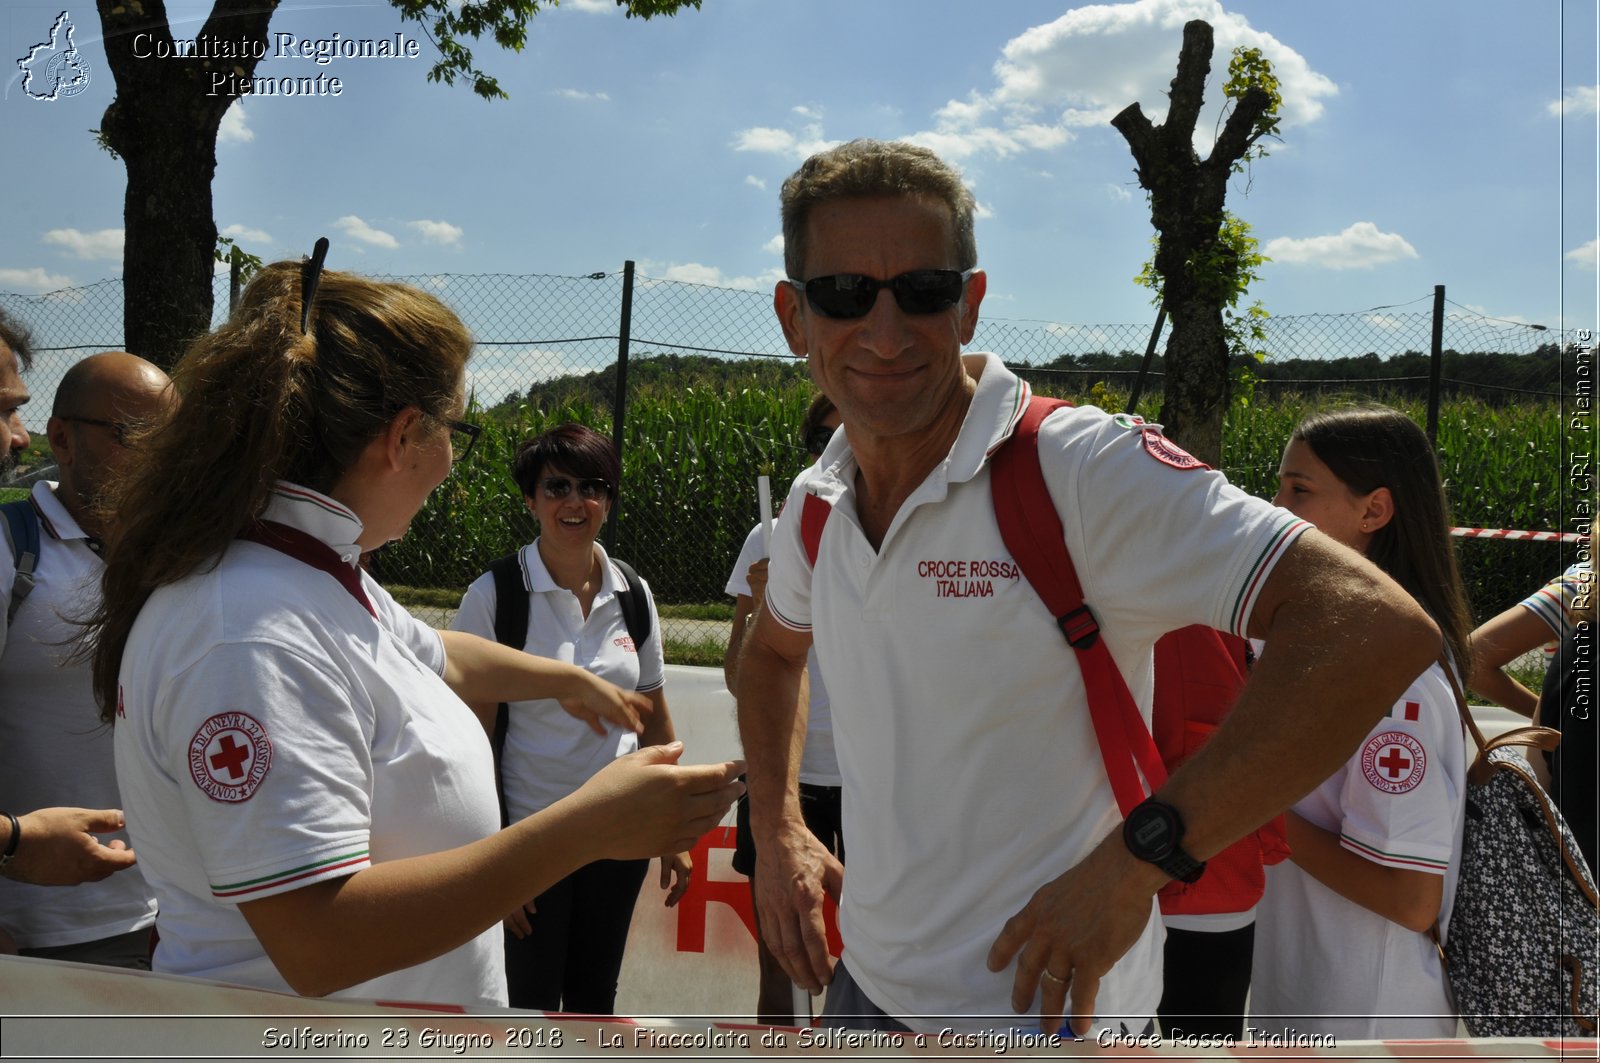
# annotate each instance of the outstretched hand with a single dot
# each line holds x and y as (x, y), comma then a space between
(601, 703)
(60, 847)
(645, 804)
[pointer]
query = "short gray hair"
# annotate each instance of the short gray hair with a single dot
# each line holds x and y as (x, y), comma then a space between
(864, 168)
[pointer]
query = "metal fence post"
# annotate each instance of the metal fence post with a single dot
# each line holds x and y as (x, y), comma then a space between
(619, 403)
(235, 268)
(1149, 356)
(1436, 365)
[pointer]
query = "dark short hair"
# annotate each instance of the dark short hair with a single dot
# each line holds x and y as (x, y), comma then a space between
(819, 410)
(575, 448)
(868, 168)
(15, 334)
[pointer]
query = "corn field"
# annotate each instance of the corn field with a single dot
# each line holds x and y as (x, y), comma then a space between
(691, 456)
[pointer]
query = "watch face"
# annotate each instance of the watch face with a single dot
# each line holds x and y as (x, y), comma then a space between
(1150, 833)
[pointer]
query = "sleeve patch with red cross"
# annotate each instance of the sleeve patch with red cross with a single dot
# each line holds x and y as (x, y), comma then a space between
(1394, 762)
(1166, 451)
(229, 756)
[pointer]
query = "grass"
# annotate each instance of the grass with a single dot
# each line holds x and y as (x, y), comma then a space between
(707, 652)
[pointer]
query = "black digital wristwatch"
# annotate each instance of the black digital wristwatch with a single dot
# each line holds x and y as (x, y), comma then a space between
(1153, 832)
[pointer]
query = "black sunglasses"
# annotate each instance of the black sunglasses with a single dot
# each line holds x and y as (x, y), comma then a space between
(851, 295)
(556, 488)
(120, 428)
(462, 437)
(817, 439)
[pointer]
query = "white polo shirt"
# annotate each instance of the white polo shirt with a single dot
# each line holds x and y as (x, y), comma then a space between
(1328, 965)
(549, 753)
(54, 750)
(819, 764)
(970, 768)
(273, 733)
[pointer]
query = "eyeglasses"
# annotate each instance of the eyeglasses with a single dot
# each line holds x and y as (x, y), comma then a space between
(817, 439)
(556, 488)
(462, 437)
(119, 428)
(851, 295)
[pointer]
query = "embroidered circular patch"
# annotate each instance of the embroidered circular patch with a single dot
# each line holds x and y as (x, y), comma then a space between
(1166, 451)
(1393, 762)
(229, 756)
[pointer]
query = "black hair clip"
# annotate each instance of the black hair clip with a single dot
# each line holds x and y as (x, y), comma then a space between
(310, 277)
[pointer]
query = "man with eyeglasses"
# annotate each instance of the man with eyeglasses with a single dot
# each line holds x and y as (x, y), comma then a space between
(53, 749)
(991, 871)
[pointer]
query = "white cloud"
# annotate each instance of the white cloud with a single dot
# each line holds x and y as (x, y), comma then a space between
(981, 209)
(696, 273)
(244, 235)
(104, 244)
(755, 182)
(1119, 193)
(1584, 257)
(1579, 101)
(233, 130)
(437, 232)
(577, 94)
(806, 112)
(1081, 69)
(359, 230)
(800, 145)
(1360, 246)
(592, 7)
(32, 280)
(774, 246)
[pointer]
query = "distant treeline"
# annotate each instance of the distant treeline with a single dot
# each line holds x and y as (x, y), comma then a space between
(1492, 375)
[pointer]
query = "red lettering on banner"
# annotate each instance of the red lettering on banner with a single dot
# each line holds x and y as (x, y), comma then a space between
(734, 892)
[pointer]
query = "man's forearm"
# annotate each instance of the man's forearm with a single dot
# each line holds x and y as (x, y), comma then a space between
(1335, 663)
(772, 728)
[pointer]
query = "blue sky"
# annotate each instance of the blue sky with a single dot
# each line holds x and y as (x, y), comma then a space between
(1424, 142)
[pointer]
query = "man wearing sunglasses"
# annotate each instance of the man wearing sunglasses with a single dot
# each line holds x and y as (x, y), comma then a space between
(53, 749)
(991, 872)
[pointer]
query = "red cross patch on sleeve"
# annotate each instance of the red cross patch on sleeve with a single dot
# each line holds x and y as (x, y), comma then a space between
(1166, 451)
(1394, 762)
(229, 756)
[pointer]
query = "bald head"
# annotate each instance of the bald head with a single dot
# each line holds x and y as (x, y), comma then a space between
(100, 405)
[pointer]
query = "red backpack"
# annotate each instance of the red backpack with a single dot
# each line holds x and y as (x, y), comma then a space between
(1199, 671)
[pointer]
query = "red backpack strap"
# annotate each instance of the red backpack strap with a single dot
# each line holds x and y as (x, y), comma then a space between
(813, 517)
(1032, 532)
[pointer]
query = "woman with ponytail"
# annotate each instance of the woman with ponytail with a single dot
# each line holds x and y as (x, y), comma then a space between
(306, 788)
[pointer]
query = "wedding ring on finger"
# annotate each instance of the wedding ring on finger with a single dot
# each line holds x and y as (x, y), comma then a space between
(1053, 978)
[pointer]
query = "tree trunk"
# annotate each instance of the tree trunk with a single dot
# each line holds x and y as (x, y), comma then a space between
(1187, 197)
(163, 124)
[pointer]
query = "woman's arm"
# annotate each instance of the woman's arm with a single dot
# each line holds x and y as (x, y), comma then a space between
(335, 934)
(1497, 643)
(482, 672)
(1410, 898)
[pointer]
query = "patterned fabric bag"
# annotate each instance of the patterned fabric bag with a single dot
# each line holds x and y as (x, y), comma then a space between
(1523, 953)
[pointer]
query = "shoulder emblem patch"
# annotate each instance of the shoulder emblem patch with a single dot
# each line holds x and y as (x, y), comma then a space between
(229, 757)
(1394, 762)
(1127, 420)
(1166, 451)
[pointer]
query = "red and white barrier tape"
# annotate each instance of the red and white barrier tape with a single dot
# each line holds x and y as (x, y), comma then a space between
(1526, 536)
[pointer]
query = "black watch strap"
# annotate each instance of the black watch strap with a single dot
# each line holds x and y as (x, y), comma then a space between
(1153, 832)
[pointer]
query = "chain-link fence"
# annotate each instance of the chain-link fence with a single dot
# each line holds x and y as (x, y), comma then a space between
(712, 398)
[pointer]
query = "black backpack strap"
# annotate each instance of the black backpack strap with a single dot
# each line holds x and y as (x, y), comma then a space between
(21, 527)
(510, 629)
(635, 605)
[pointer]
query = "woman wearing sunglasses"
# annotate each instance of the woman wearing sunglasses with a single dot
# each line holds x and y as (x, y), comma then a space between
(309, 796)
(564, 946)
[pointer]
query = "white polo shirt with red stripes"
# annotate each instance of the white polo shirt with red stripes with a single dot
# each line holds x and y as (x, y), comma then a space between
(1325, 963)
(274, 733)
(971, 773)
